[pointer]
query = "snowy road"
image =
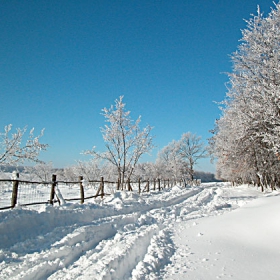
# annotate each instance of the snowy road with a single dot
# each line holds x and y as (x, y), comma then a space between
(127, 236)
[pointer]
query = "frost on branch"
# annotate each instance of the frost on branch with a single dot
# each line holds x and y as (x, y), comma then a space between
(125, 142)
(178, 158)
(13, 152)
(246, 138)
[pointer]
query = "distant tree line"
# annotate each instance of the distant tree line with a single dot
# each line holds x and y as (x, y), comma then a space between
(90, 171)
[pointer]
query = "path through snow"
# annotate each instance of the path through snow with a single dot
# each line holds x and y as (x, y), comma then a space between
(126, 236)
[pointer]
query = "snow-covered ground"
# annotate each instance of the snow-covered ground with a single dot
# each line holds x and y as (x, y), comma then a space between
(213, 231)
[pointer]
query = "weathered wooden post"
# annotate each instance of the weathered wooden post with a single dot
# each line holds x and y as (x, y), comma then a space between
(82, 189)
(139, 185)
(129, 185)
(53, 188)
(102, 187)
(15, 190)
(158, 184)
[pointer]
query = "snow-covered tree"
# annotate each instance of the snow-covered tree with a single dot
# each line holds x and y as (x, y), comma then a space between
(13, 151)
(90, 170)
(145, 171)
(41, 171)
(170, 162)
(179, 157)
(246, 138)
(191, 149)
(124, 140)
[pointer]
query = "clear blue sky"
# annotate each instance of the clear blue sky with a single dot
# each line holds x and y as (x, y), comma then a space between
(63, 61)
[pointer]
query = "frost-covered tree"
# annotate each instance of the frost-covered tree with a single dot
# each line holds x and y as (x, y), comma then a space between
(246, 138)
(124, 140)
(14, 152)
(179, 157)
(170, 162)
(90, 170)
(191, 149)
(145, 171)
(41, 171)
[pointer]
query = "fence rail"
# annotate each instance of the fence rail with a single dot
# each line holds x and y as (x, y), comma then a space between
(27, 193)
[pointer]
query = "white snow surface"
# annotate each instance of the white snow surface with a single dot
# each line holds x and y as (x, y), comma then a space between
(213, 231)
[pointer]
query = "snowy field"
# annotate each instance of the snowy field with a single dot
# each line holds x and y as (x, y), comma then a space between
(213, 231)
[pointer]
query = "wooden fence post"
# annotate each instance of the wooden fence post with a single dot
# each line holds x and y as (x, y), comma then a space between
(102, 187)
(82, 189)
(15, 190)
(129, 188)
(53, 188)
(139, 185)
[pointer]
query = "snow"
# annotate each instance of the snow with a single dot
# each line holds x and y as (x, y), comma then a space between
(212, 231)
(243, 244)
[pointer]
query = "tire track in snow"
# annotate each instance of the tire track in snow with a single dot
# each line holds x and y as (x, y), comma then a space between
(116, 257)
(161, 248)
(65, 251)
(52, 265)
(147, 228)
(122, 263)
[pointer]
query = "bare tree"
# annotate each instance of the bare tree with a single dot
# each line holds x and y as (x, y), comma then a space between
(124, 140)
(170, 162)
(90, 170)
(191, 149)
(41, 171)
(13, 152)
(179, 157)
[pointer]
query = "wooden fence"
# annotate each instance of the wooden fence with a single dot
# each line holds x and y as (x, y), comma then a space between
(27, 193)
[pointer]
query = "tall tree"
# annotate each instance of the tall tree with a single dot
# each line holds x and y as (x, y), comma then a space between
(191, 149)
(124, 140)
(180, 157)
(170, 162)
(246, 138)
